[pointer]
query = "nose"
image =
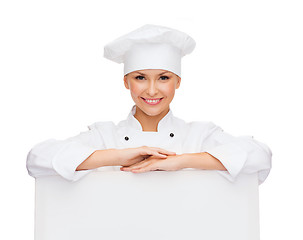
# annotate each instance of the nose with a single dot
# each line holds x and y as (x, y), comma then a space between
(152, 89)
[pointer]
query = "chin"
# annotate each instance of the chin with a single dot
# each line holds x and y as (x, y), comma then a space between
(153, 112)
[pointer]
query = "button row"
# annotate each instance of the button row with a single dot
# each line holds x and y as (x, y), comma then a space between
(127, 138)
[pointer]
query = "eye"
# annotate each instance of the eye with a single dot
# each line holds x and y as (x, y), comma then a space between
(164, 77)
(139, 77)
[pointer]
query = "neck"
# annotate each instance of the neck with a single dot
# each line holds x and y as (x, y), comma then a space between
(149, 123)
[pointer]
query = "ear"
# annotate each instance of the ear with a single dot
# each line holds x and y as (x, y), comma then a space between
(126, 82)
(178, 82)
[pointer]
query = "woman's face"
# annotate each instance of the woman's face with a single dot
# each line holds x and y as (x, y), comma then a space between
(152, 89)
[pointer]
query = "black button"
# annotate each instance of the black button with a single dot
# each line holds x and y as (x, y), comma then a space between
(126, 138)
(171, 134)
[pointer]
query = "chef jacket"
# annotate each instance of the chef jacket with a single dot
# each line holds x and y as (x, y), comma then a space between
(241, 154)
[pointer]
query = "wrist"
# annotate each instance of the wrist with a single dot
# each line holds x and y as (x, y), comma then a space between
(107, 157)
(188, 160)
(196, 160)
(113, 157)
(117, 161)
(101, 159)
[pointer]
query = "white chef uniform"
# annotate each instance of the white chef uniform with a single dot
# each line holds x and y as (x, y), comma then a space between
(150, 47)
(237, 154)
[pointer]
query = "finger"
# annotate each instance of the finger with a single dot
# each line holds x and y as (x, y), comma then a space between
(155, 153)
(150, 167)
(157, 149)
(137, 165)
(161, 155)
(128, 168)
(142, 164)
(161, 150)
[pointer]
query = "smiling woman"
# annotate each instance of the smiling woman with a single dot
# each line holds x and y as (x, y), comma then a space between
(152, 90)
(150, 138)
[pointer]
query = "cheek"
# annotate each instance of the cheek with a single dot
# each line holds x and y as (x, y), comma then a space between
(169, 89)
(135, 89)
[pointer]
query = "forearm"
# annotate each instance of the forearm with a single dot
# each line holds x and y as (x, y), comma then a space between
(101, 158)
(202, 160)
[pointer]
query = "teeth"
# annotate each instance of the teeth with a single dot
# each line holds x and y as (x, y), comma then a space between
(152, 101)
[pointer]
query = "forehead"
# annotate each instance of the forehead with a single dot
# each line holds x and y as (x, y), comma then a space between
(150, 71)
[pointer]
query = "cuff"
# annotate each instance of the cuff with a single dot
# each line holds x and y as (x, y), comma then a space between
(232, 157)
(69, 158)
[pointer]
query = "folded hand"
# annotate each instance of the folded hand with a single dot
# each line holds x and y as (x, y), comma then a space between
(153, 163)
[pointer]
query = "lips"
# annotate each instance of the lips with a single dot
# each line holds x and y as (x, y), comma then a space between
(151, 98)
(152, 101)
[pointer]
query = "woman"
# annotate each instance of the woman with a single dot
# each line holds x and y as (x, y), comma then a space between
(151, 138)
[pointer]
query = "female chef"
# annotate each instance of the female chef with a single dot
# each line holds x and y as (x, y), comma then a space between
(151, 137)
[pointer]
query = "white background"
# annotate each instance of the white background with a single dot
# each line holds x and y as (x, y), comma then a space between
(244, 75)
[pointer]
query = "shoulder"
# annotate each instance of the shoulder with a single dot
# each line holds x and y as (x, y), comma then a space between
(196, 127)
(101, 124)
(103, 129)
(202, 125)
(202, 128)
(108, 133)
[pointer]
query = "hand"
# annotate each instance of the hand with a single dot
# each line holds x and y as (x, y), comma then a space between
(130, 156)
(153, 163)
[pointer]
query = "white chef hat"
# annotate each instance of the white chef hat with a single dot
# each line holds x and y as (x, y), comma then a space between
(150, 47)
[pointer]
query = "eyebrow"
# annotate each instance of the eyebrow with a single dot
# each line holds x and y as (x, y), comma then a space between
(158, 74)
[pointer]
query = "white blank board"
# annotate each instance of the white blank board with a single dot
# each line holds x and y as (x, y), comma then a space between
(158, 205)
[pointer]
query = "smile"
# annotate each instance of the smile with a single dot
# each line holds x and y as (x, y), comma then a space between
(152, 101)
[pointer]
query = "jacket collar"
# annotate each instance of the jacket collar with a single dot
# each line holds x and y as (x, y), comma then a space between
(164, 124)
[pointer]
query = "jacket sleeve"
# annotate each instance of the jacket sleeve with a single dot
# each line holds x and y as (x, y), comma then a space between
(62, 157)
(241, 154)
